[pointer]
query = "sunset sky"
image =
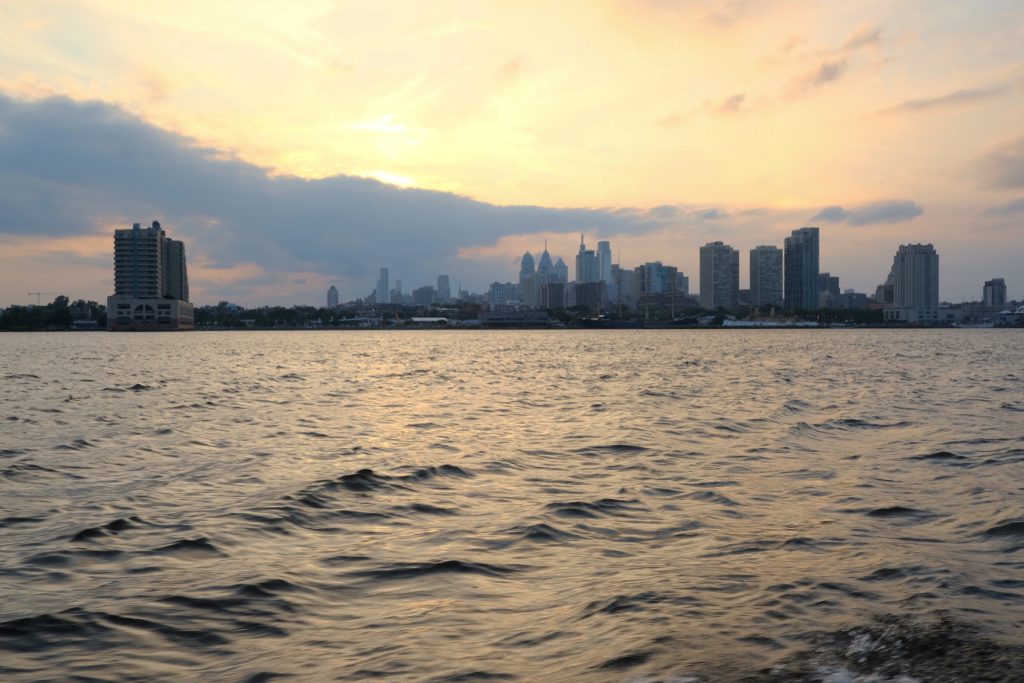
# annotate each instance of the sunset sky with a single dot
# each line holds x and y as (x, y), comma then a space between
(297, 145)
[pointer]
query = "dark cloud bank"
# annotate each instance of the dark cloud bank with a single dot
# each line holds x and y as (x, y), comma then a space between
(889, 211)
(69, 167)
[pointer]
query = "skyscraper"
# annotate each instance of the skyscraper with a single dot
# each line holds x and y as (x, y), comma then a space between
(915, 273)
(383, 293)
(765, 276)
(525, 266)
(604, 267)
(993, 294)
(586, 264)
(175, 270)
(150, 282)
(545, 267)
(561, 271)
(444, 289)
(719, 276)
(801, 272)
(332, 297)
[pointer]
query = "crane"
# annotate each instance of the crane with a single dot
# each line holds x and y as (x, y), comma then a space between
(39, 294)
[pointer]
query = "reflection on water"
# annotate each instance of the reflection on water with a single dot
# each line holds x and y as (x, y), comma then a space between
(463, 506)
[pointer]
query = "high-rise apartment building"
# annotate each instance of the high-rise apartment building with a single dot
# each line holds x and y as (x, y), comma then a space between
(150, 282)
(915, 275)
(994, 293)
(719, 276)
(175, 270)
(383, 293)
(765, 276)
(332, 297)
(801, 270)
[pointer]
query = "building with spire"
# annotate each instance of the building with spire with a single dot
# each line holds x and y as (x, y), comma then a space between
(332, 297)
(587, 267)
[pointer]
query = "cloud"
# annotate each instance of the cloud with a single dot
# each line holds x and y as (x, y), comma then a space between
(828, 71)
(831, 214)
(887, 211)
(1016, 206)
(1003, 166)
(951, 99)
(731, 104)
(865, 36)
(72, 168)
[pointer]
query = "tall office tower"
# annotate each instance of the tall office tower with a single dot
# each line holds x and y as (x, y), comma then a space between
(545, 267)
(994, 292)
(801, 272)
(332, 297)
(604, 261)
(586, 264)
(150, 282)
(561, 271)
(719, 276)
(525, 267)
(383, 293)
(765, 276)
(915, 271)
(444, 289)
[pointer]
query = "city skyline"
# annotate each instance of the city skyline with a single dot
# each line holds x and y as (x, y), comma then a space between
(876, 122)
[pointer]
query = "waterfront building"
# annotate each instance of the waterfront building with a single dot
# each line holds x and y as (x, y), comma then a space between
(502, 294)
(444, 289)
(682, 284)
(801, 270)
(552, 295)
(591, 295)
(383, 291)
(626, 293)
(915, 275)
(993, 294)
(828, 291)
(332, 297)
(765, 276)
(424, 296)
(719, 276)
(150, 282)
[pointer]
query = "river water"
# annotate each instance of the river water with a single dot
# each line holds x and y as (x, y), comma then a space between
(833, 505)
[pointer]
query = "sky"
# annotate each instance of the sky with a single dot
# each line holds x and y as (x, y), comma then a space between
(297, 145)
